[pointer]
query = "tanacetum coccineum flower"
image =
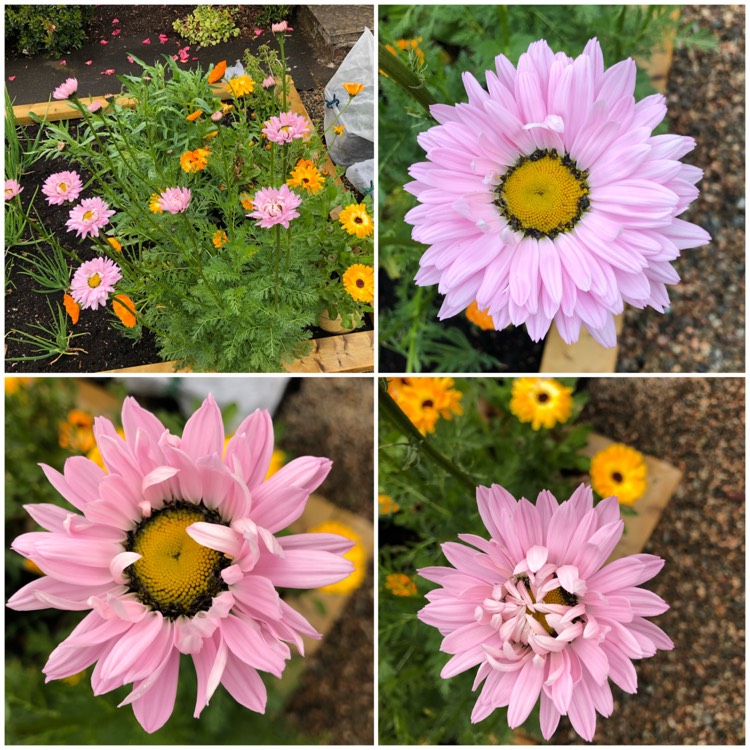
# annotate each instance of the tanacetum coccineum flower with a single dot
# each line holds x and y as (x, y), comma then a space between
(285, 128)
(66, 90)
(538, 611)
(61, 187)
(356, 221)
(275, 206)
(359, 282)
(541, 401)
(173, 549)
(88, 217)
(93, 282)
(12, 189)
(546, 197)
(175, 200)
(620, 471)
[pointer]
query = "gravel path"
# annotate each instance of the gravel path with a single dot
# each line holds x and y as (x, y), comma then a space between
(704, 331)
(695, 693)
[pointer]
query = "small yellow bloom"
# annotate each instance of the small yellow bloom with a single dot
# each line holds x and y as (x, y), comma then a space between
(359, 281)
(195, 161)
(619, 471)
(400, 584)
(14, 384)
(356, 220)
(210, 135)
(479, 317)
(353, 88)
(541, 401)
(425, 400)
(193, 116)
(411, 45)
(154, 204)
(77, 432)
(338, 129)
(306, 176)
(356, 555)
(116, 246)
(386, 505)
(241, 85)
(220, 238)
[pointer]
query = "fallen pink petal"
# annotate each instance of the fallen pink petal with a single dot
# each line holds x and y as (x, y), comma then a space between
(108, 72)
(11, 78)
(103, 41)
(146, 41)
(116, 32)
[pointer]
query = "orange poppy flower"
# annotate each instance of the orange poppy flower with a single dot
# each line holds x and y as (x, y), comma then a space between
(353, 88)
(72, 308)
(218, 72)
(124, 309)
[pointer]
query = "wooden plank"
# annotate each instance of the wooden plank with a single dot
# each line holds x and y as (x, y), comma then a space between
(662, 480)
(350, 352)
(586, 355)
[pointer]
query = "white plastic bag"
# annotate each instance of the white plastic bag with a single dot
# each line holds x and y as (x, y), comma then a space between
(356, 143)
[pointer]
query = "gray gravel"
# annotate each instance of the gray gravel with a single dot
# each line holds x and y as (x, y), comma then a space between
(705, 329)
(694, 694)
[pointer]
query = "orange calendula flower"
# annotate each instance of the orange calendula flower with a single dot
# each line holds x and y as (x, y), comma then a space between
(72, 308)
(426, 400)
(355, 220)
(217, 72)
(479, 317)
(220, 238)
(306, 176)
(247, 201)
(193, 116)
(124, 309)
(411, 45)
(194, 161)
(353, 88)
(386, 505)
(359, 281)
(400, 584)
(338, 129)
(77, 432)
(14, 384)
(116, 246)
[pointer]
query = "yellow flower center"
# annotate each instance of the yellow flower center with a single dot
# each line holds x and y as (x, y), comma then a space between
(543, 194)
(62, 187)
(88, 215)
(175, 574)
(95, 280)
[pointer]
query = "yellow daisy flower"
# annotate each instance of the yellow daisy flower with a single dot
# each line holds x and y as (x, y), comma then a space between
(541, 401)
(241, 85)
(386, 505)
(359, 281)
(356, 555)
(154, 204)
(356, 220)
(425, 400)
(220, 238)
(479, 317)
(400, 584)
(306, 176)
(338, 129)
(620, 471)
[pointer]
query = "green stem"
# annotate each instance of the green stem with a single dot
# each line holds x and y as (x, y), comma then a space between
(400, 73)
(390, 409)
(412, 363)
(288, 246)
(283, 71)
(278, 254)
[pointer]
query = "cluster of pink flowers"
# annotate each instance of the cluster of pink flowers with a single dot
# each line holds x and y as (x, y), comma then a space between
(175, 200)
(286, 127)
(93, 282)
(88, 217)
(61, 187)
(66, 90)
(275, 206)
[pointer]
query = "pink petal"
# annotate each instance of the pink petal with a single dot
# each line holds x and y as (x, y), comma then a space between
(11, 78)
(154, 708)
(215, 536)
(89, 62)
(103, 41)
(304, 569)
(146, 41)
(525, 693)
(204, 432)
(244, 640)
(244, 685)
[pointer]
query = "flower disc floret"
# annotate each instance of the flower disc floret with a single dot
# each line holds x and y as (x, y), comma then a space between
(94, 281)
(275, 206)
(61, 187)
(285, 128)
(546, 198)
(173, 550)
(538, 611)
(88, 217)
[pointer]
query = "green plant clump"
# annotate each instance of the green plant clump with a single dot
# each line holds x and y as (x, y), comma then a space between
(51, 29)
(208, 25)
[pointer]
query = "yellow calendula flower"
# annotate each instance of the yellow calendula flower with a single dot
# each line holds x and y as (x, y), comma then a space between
(479, 317)
(359, 282)
(356, 220)
(400, 584)
(338, 129)
(425, 400)
(195, 161)
(220, 238)
(620, 471)
(76, 434)
(396, 384)
(356, 555)
(95, 454)
(241, 85)
(386, 505)
(14, 384)
(154, 204)
(353, 88)
(278, 459)
(305, 175)
(541, 401)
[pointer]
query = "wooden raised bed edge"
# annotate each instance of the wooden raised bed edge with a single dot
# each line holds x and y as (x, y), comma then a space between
(350, 352)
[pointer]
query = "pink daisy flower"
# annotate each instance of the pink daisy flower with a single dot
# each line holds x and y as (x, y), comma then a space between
(175, 200)
(279, 28)
(547, 198)
(268, 82)
(174, 552)
(95, 106)
(66, 90)
(94, 281)
(539, 612)
(88, 217)
(275, 206)
(286, 127)
(12, 189)
(61, 187)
